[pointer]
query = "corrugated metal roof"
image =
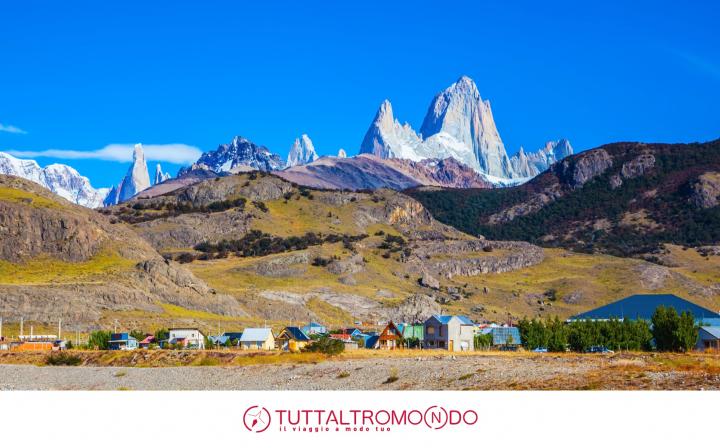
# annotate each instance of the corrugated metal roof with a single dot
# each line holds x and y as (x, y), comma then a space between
(642, 306)
(297, 334)
(371, 341)
(445, 318)
(255, 335)
(713, 331)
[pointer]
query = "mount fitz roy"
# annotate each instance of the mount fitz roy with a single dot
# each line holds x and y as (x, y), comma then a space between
(62, 180)
(458, 124)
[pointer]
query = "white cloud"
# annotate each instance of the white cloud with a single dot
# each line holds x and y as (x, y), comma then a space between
(177, 153)
(11, 129)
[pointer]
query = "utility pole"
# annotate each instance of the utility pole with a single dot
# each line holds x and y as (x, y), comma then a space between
(22, 322)
(0, 328)
(60, 329)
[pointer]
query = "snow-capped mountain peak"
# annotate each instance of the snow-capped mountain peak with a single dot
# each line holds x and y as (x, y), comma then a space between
(62, 180)
(239, 155)
(387, 138)
(302, 152)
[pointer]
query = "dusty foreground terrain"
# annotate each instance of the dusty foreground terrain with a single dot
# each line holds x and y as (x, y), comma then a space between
(367, 371)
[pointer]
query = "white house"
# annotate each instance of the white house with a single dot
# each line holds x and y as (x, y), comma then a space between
(187, 337)
(257, 339)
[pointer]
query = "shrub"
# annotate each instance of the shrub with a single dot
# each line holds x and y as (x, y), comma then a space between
(326, 345)
(99, 340)
(63, 359)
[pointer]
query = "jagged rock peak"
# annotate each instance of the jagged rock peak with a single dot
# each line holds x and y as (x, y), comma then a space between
(342, 154)
(137, 178)
(239, 155)
(388, 139)
(302, 152)
(160, 177)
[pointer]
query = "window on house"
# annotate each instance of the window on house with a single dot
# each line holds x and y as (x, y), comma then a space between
(442, 344)
(430, 330)
(440, 330)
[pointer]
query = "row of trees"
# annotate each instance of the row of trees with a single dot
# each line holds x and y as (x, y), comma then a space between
(667, 331)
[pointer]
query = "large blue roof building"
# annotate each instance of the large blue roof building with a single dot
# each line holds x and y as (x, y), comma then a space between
(642, 307)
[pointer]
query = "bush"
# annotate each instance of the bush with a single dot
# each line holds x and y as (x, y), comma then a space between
(63, 359)
(673, 332)
(99, 340)
(326, 345)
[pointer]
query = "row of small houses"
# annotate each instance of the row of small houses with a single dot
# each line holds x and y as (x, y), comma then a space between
(448, 332)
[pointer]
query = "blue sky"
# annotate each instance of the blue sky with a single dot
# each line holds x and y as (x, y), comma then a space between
(79, 76)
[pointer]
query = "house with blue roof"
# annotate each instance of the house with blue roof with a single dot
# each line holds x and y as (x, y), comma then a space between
(122, 341)
(449, 332)
(314, 328)
(292, 339)
(708, 339)
(257, 339)
(642, 307)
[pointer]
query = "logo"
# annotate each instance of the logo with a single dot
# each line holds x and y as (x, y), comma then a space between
(256, 419)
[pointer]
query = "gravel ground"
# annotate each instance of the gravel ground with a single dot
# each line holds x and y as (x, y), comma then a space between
(426, 373)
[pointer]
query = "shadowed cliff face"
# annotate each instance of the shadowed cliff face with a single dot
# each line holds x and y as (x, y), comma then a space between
(60, 260)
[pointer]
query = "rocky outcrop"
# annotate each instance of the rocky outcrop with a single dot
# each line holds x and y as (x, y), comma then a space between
(535, 203)
(416, 308)
(706, 190)
(351, 265)
(516, 255)
(576, 172)
(639, 166)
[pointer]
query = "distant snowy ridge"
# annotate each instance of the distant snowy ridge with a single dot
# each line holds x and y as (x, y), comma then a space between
(62, 180)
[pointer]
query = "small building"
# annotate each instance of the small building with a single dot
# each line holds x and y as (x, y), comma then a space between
(390, 337)
(122, 341)
(413, 334)
(350, 343)
(148, 341)
(292, 339)
(454, 333)
(708, 339)
(643, 306)
(190, 338)
(257, 339)
(505, 337)
(372, 342)
(353, 332)
(231, 338)
(314, 328)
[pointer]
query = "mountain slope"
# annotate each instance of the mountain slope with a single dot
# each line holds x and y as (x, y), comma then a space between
(60, 260)
(368, 171)
(62, 180)
(623, 198)
(292, 254)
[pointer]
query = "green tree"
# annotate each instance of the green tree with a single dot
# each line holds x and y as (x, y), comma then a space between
(557, 340)
(161, 335)
(137, 334)
(99, 340)
(686, 333)
(665, 322)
